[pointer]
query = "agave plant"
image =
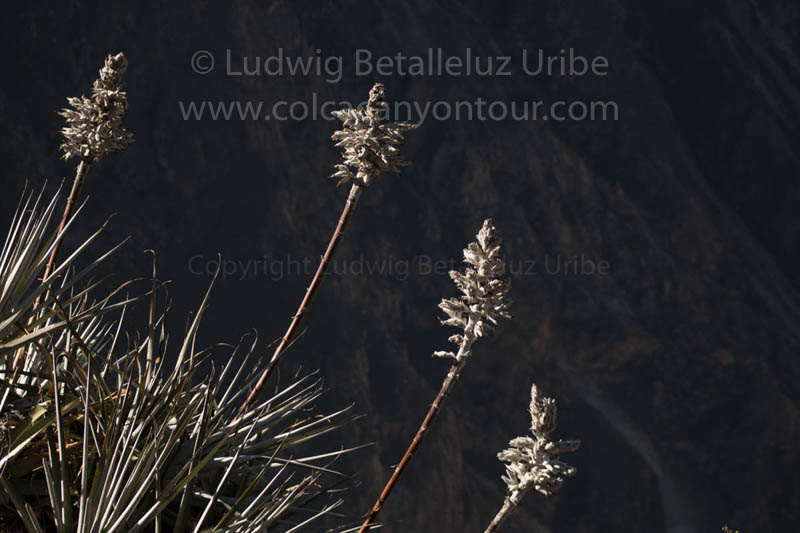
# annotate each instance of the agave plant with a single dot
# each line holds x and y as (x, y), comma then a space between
(100, 434)
(28, 244)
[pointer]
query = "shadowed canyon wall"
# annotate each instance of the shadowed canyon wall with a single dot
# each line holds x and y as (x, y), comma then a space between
(677, 365)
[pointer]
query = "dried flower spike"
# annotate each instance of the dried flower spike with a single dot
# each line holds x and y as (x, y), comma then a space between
(94, 125)
(484, 300)
(370, 147)
(532, 463)
(485, 293)
(93, 129)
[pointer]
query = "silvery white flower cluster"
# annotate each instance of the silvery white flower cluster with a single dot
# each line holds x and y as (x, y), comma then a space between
(532, 463)
(94, 126)
(370, 147)
(485, 293)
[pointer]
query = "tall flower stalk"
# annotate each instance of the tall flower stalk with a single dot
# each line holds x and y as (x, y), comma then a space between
(483, 301)
(532, 462)
(369, 149)
(93, 129)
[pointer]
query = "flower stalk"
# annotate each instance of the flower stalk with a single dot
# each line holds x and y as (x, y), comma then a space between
(532, 462)
(369, 149)
(93, 129)
(305, 304)
(69, 209)
(484, 300)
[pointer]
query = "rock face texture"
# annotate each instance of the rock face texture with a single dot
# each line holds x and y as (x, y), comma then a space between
(677, 366)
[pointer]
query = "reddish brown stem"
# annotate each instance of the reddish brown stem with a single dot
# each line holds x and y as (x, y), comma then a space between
(510, 504)
(311, 291)
(72, 201)
(447, 384)
(69, 209)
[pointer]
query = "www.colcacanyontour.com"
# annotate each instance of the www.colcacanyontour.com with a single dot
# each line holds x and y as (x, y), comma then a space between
(434, 63)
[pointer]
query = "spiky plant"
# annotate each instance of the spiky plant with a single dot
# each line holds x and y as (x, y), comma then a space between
(103, 435)
(29, 243)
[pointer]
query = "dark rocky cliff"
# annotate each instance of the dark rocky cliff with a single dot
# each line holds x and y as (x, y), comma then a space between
(678, 368)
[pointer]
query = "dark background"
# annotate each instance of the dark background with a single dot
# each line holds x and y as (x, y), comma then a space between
(678, 369)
